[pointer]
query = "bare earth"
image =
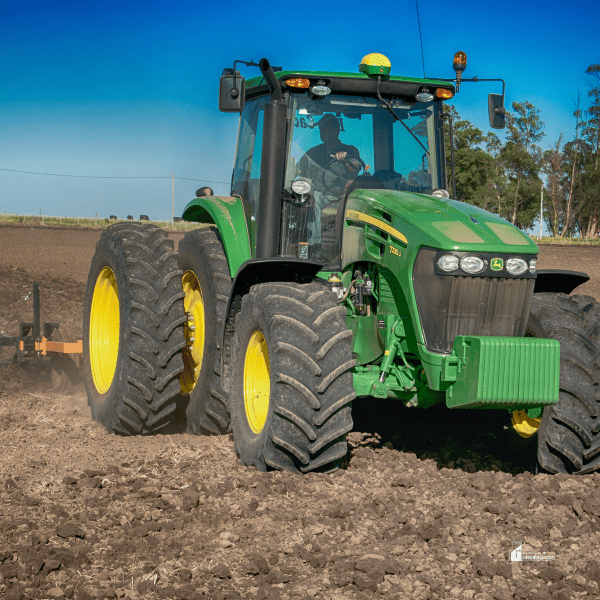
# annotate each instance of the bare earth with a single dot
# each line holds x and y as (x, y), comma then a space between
(424, 507)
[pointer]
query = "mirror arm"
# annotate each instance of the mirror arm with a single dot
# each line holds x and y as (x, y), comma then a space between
(476, 79)
(250, 63)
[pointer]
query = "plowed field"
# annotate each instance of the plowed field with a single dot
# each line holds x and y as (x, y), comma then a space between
(426, 505)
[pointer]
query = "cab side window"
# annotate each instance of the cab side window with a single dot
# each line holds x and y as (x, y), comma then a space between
(246, 170)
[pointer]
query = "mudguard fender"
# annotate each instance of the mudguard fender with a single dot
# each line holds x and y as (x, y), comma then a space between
(558, 280)
(227, 213)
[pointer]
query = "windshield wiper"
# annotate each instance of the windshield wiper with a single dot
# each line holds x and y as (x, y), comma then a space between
(388, 107)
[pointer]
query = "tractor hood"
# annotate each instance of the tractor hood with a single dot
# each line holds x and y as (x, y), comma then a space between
(424, 220)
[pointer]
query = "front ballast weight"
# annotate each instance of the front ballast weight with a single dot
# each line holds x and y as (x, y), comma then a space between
(41, 346)
(481, 372)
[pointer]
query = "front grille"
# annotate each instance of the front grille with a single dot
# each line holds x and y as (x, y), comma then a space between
(455, 305)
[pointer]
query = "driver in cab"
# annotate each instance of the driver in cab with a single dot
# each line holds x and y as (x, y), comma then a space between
(331, 167)
(332, 164)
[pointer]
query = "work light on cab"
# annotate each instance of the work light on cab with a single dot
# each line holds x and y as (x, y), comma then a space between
(375, 64)
(440, 193)
(320, 90)
(424, 95)
(301, 189)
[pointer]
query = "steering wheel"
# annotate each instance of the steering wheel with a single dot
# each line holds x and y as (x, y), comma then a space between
(339, 168)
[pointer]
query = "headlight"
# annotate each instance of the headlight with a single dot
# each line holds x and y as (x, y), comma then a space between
(301, 187)
(448, 262)
(472, 264)
(516, 266)
(532, 264)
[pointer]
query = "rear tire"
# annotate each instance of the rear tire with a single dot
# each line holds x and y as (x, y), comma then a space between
(133, 330)
(207, 284)
(568, 437)
(291, 385)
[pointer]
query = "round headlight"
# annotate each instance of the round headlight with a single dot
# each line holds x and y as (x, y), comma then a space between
(448, 262)
(472, 264)
(516, 266)
(532, 264)
(440, 193)
(301, 187)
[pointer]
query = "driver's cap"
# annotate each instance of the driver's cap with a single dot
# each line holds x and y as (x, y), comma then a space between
(328, 120)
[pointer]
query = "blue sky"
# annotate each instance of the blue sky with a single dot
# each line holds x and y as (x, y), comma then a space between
(130, 89)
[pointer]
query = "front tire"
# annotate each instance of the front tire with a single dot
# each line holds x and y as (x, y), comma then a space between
(291, 384)
(568, 433)
(133, 330)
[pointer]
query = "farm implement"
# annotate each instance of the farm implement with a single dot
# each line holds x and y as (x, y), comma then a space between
(44, 346)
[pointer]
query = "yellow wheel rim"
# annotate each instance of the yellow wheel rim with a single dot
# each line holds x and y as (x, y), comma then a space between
(104, 330)
(194, 332)
(257, 382)
(523, 424)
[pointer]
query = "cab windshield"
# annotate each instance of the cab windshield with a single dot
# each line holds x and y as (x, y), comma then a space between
(341, 143)
(375, 143)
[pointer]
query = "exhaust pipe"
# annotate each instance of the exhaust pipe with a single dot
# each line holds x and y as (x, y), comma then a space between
(272, 168)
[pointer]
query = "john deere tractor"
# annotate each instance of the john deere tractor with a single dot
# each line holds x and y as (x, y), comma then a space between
(339, 266)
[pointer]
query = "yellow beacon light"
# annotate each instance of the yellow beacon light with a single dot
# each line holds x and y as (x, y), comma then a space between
(375, 64)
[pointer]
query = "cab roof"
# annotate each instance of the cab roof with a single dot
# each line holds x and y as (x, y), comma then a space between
(350, 83)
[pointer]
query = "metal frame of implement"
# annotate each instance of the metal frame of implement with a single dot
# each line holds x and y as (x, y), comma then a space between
(30, 344)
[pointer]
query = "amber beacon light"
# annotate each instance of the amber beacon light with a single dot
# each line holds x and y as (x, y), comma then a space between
(459, 65)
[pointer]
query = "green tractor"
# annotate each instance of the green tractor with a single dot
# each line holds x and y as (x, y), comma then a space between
(338, 267)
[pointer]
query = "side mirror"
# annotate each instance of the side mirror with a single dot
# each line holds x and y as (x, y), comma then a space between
(231, 99)
(496, 111)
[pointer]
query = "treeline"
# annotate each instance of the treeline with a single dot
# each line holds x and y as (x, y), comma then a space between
(506, 178)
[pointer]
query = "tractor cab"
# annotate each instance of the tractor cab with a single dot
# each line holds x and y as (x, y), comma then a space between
(337, 132)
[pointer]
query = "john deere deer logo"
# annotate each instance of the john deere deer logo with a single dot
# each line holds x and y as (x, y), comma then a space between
(497, 264)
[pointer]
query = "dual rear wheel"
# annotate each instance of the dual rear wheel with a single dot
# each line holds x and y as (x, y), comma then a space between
(153, 321)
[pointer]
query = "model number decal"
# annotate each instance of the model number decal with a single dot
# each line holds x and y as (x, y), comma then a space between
(355, 215)
(395, 251)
